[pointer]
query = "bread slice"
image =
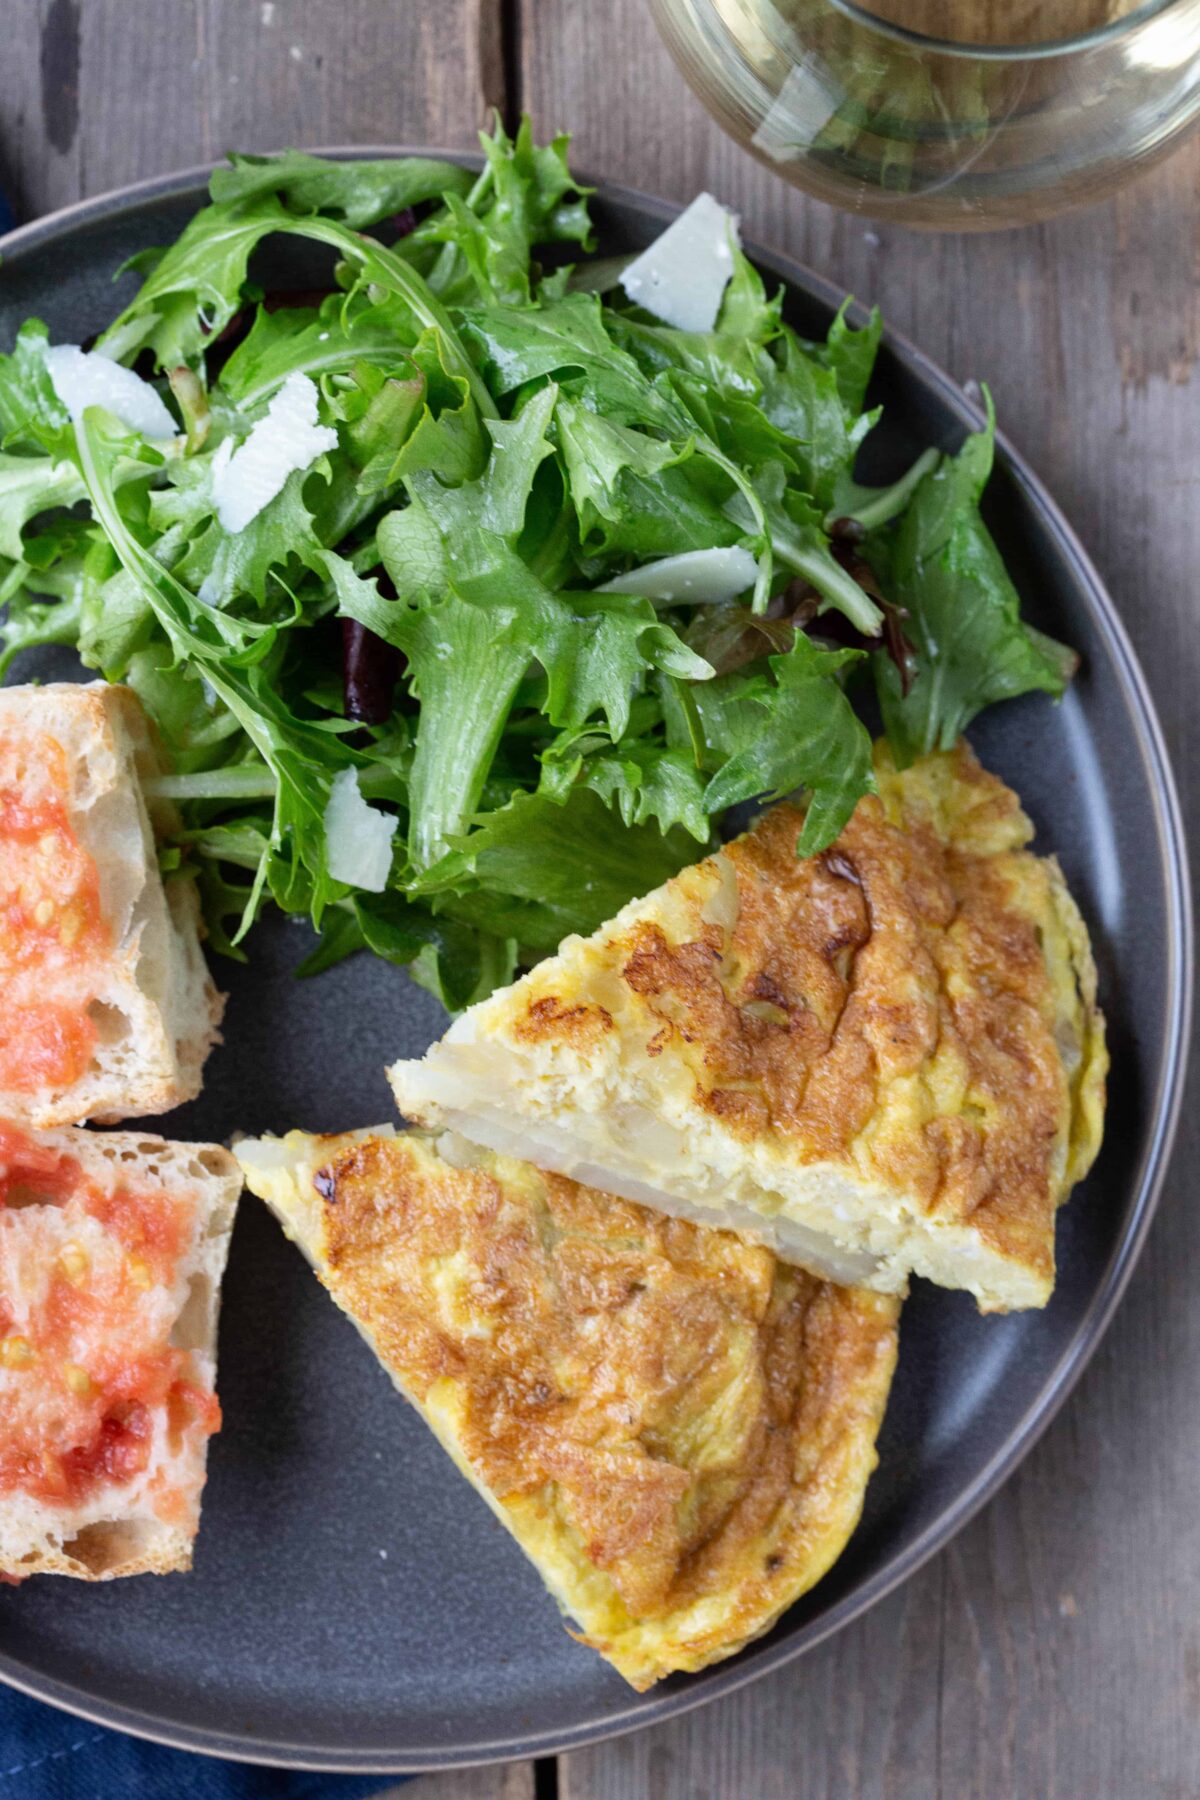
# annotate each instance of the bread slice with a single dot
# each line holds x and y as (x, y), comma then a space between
(109, 1009)
(112, 1247)
(884, 1059)
(676, 1428)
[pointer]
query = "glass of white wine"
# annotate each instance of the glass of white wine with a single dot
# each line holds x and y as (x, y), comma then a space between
(959, 115)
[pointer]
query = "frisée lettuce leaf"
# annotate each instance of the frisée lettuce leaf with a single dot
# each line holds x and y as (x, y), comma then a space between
(517, 590)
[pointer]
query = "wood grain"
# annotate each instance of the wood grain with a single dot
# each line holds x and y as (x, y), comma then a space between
(1054, 1649)
(510, 1781)
(95, 93)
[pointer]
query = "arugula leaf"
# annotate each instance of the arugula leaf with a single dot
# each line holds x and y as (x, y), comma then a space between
(719, 720)
(873, 507)
(972, 647)
(567, 338)
(387, 270)
(446, 434)
(481, 616)
(731, 365)
(114, 621)
(811, 738)
(220, 564)
(356, 193)
(746, 314)
(228, 654)
(194, 288)
(515, 345)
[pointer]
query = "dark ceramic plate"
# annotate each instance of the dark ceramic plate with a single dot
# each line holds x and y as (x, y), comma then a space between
(354, 1604)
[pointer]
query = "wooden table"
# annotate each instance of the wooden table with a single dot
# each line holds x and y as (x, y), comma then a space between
(1053, 1651)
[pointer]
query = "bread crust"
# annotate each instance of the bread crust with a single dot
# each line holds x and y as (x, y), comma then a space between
(156, 1007)
(120, 1543)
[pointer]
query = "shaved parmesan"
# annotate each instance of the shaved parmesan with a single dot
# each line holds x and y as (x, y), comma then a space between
(83, 378)
(703, 577)
(358, 837)
(287, 439)
(681, 278)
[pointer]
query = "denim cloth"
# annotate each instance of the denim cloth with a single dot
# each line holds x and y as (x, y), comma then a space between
(50, 1755)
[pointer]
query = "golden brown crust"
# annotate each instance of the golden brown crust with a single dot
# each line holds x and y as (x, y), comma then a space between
(889, 1006)
(107, 1552)
(677, 1410)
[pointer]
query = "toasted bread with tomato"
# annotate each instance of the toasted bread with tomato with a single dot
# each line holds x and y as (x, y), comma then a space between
(112, 1248)
(108, 1007)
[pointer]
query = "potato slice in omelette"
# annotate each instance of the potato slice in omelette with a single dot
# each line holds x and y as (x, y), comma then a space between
(677, 1428)
(884, 1059)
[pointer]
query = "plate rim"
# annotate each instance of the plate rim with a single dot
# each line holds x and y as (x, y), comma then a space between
(723, 1679)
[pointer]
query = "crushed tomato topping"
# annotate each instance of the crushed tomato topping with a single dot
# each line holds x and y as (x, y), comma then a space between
(52, 931)
(89, 1380)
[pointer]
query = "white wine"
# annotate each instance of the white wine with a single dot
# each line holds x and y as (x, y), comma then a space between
(1025, 108)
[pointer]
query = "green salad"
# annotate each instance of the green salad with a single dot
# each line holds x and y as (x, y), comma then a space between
(469, 590)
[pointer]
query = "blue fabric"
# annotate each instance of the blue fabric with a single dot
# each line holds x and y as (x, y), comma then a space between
(50, 1755)
(7, 220)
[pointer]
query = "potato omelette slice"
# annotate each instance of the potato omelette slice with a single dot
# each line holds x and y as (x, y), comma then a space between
(884, 1059)
(677, 1428)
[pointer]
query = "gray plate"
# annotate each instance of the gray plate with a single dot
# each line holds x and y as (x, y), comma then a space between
(354, 1605)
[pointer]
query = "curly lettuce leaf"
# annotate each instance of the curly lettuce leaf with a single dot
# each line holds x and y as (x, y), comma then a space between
(30, 485)
(230, 656)
(344, 331)
(811, 738)
(30, 410)
(526, 196)
(633, 494)
(643, 781)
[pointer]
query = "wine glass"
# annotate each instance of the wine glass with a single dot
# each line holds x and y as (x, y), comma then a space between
(959, 115)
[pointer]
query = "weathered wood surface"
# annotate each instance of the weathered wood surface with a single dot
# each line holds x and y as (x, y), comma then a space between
(1053, 1652)
(96, 93)
(510, 1781)
(1054, 1649)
